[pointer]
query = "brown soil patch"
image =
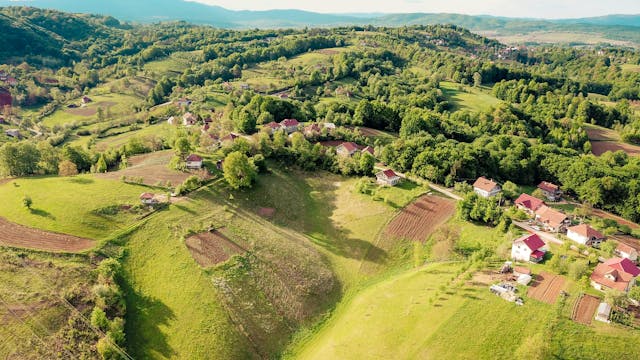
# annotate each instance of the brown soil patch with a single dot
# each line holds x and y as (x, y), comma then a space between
(266, 212)
(211, 248)
(153, 169)
(328, 52)
(546, 287)
(488, 277)
(585, 308)
(600, 147)
(15, 235)
(418, 220)
(597, 134)
(90, 111)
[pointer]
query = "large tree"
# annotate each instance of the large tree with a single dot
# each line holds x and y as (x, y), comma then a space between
(238, 170)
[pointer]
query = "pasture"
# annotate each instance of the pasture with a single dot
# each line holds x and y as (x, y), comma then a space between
(113, 105)
(468, 98)
(603, 140)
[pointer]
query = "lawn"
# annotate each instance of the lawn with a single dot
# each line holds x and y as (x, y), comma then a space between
(469, 98)
(67, 205)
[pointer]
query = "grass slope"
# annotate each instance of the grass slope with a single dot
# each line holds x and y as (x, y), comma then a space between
(469, 98)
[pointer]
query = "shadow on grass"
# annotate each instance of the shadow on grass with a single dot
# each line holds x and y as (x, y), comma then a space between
(184, 208)
(145, 315)
(81, 180)
(42, 213)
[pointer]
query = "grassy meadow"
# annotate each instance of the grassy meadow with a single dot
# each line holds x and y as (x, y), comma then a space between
(472, 99)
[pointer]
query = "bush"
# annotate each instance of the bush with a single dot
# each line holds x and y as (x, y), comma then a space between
(99, 319)
(27, 201)
(192, 183)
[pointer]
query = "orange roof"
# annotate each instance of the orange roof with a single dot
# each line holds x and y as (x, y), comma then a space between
(623, 271)
(586, 231)
(349, 146)
(550, 216)
(625, 248)
(484, 184)
(529, 202)
(549, 187)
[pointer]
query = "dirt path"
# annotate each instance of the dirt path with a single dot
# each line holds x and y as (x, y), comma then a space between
(15, 235)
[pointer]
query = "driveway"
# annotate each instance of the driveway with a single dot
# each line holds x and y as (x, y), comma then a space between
(547, 237)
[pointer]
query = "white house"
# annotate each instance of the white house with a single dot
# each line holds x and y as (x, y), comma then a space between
(148, 199)
(528, 248)
(388, 177)
(290, 125)
(627, 252)
(585, 235)
(486, 188)
(346, 149)
(194, 162)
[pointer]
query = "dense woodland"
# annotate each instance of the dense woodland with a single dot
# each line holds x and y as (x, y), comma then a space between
(392, 76)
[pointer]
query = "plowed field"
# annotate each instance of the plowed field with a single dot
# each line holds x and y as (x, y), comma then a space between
(418, 220)
(546, 287)
(585, 309)
(15, 235)
(211, 248)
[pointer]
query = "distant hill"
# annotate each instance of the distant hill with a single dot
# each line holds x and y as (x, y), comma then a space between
(614, 28)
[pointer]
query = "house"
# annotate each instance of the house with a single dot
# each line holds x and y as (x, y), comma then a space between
(272, 127)
(189, 119)
(585, 235)
(552, 220)
(330, 126)
(603, 313)
(230, 138)
(312, 130)
(346, 149)
(148, 199)
(5, 97)
(627, 252)
(528, 203)
(369, 150)
(617, 273)
(388, 177)
(528, 248)
(86, 100)
(15, 133)
(486, 188)
(550, 191)
(194, 162)
(290, 125)
(171, 120)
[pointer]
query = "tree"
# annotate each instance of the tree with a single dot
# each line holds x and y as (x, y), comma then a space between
(577, 269)
(245, 122)
(67, 168)
(608, 247)
(634, 293)
(367, 163)
(182, 147)
(101, 165)
(238, 170)
(27, 202)
(477, 79)
(510, 190)
(537, 193)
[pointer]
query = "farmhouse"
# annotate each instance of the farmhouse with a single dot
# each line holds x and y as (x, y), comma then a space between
(5, 97)
(617, 273)
(486, 188)
(388, 177)
(528, 248)
(272, 127)
(312, 130)
(369, 150)
(627, 252)
(550, 191)
(528, 203)
(189, 119)
(194, 162)
(585, 235)
(86, 100)
(148, 199)
(346, 149)
(290, 125)
(552, 220)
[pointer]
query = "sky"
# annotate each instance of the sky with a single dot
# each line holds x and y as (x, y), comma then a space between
(512, 8)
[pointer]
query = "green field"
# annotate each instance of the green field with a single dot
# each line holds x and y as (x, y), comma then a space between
(114, 105)
(174, 64)
(162, 130)
(68, 205)
(469, 98)
(631, 67)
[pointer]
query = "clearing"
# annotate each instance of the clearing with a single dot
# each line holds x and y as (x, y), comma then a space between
(24, 237)
(585, 308)
(603, 140)
(418, 220)
(212, 247)
(154, 169)
(113, 104)
(546, 287)
(467, 98)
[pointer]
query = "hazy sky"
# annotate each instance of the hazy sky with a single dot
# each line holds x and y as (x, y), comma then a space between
(514, 8)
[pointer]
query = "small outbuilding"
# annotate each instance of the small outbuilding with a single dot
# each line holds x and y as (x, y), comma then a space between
(148, 199)
(603, 313)
(388, 177)
(194, 162)
(524, 279)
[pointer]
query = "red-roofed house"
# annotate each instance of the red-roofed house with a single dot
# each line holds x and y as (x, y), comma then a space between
(486, 188)
(550, 191)
(528, 203)
(86, 100)
(189, 119)
(290, 125)
(627, 252)
(346, 149)
(388, 177)
(148, 199)
(313, 129)
(585, 235)
(617, 273)
(272, 127)
(528, 248)
(194, 162)
(369, 150)
(552, 220)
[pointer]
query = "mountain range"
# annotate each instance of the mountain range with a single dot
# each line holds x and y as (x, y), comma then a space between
(622, 28)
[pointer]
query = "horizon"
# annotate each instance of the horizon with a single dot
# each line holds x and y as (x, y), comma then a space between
(542, 9)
